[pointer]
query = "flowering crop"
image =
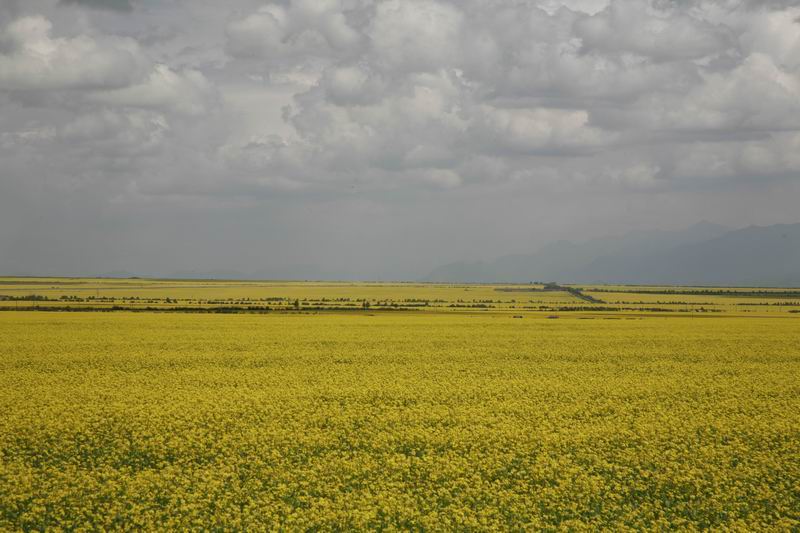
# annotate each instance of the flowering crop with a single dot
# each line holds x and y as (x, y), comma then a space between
(400, 421)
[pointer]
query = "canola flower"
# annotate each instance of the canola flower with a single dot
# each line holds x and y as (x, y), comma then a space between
(398, 421)
(137, 294)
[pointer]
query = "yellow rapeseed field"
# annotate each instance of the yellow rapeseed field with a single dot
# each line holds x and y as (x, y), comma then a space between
(439, 419)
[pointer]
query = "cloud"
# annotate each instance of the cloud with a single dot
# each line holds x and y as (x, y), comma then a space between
(32, 60)
(352, 85)
(537, 131)
(454, 93)
(755, 96)
(518, 81)
(114, 5)
(775, 34)
(284, 35)
(668, 34)
(188, 92)
(775, 156)
(94, 111)
(415, 36)
(111, 133)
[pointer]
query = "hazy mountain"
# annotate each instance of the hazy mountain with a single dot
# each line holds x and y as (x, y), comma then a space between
(703, 254)
(750, 256)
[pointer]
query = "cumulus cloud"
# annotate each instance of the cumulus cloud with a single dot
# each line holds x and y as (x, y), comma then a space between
(755, 95)
(32, 60)
(188, 92)
(537, 131)
(104, 69)
(378, 90)
(434, 85)
(285, 35)
(88, 108)
(415, 35)
(635, 27)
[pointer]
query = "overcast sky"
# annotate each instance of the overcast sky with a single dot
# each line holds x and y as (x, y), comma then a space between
(378, 139)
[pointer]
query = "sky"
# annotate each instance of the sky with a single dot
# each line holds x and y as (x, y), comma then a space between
(378, 139)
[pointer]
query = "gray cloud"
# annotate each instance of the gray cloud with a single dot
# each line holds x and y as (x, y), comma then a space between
(629, 26)
(33, 60)
(445, 82)
(116, 5)
(430, 115)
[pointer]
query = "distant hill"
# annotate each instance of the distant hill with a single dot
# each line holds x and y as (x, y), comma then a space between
(703, 254)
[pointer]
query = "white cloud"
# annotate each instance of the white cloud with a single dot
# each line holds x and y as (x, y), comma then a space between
(414, 93)
(187, 92)
(633, 26)
(542, 131)
(415, 35)
(756, 95)
(775, 34)
(352, 85)
(283, 35)
(428, 86)
(33, 60)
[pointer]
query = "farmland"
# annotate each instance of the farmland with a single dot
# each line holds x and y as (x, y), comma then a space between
(265, 405)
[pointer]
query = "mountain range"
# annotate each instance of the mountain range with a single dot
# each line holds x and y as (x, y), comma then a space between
(703, 254)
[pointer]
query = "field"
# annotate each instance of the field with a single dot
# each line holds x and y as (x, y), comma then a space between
(159, 404)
